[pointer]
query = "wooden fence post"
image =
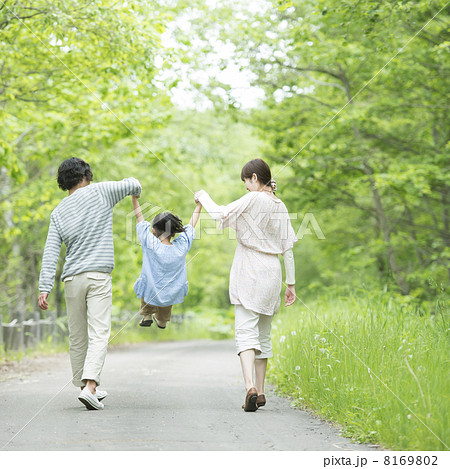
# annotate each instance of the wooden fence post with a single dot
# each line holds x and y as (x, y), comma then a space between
(52, 315)
(37, 318)
(21, 331)
(1, 331)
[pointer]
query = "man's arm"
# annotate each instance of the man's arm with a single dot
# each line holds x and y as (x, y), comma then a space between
(114, 191)
(195, 216)
(49, 262)
(137, 208)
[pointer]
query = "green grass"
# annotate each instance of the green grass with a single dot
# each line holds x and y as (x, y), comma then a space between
(388, 340)
(44, 348)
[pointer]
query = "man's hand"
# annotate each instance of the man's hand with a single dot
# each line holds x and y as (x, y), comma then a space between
(289, 297)
(42, 301)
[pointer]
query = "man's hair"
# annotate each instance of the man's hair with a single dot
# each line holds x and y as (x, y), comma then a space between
(71, 172)
(168, 224)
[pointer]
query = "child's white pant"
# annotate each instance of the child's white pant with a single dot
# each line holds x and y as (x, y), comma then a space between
(252, 331)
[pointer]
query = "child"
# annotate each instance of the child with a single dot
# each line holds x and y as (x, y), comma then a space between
(163, 280)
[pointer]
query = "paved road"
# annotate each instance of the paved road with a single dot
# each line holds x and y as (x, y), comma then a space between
(163, 396)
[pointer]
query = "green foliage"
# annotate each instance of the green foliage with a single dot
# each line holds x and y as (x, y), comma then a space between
(371, 362)
(355, 120)
(60, 62)
(374, 178)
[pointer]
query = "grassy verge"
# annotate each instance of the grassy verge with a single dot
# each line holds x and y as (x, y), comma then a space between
(388, 340)
(44, 348)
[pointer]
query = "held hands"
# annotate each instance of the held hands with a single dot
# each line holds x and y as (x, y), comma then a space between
(289, 296)
(196, 196)
(42, 301)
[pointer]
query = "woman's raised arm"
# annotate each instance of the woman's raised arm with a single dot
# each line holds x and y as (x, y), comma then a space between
(226, 214)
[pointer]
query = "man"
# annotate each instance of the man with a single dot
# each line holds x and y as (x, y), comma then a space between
(83, 222)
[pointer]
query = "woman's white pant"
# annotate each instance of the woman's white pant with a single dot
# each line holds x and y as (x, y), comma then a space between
(252, 331)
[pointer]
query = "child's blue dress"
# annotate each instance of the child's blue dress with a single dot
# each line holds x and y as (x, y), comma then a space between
(163, 280)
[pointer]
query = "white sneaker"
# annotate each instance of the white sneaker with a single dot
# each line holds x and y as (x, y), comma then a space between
(101, 394)
(90, 400)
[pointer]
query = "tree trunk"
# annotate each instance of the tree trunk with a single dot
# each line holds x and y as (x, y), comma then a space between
(19, 305)
(446, 220)
(378, 206)
(382, 219)
(414, 237)
(444, 198)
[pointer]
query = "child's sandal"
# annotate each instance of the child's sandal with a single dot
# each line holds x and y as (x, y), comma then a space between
(146, 322)
(154, 319)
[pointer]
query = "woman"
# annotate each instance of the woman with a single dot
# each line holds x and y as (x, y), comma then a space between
(264, 231)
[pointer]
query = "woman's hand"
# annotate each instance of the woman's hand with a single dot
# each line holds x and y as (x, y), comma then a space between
(289, 297)
(42, 301)
(196, 196)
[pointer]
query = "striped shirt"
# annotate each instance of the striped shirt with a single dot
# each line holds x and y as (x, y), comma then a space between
(83, 222)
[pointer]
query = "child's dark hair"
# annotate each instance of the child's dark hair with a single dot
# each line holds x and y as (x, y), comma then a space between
(168, 224)
(71, 172)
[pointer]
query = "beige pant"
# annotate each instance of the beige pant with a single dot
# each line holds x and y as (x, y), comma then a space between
(162, 313)
(88, 303)
(252, 331)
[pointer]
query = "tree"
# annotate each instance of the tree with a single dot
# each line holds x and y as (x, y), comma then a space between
(74, 80)
(350, 125)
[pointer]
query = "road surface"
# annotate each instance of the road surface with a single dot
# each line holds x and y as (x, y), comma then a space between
(162, 396)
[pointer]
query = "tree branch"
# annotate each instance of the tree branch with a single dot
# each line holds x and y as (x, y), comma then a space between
(310, 69)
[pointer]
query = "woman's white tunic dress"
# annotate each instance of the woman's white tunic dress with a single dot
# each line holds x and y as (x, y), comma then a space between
(264, 231)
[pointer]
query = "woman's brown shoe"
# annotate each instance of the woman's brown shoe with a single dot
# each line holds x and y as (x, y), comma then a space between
(261, 400)
(250, 400)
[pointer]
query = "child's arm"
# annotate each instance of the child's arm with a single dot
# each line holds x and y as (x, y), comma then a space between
(137, 208)
(194, 219)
